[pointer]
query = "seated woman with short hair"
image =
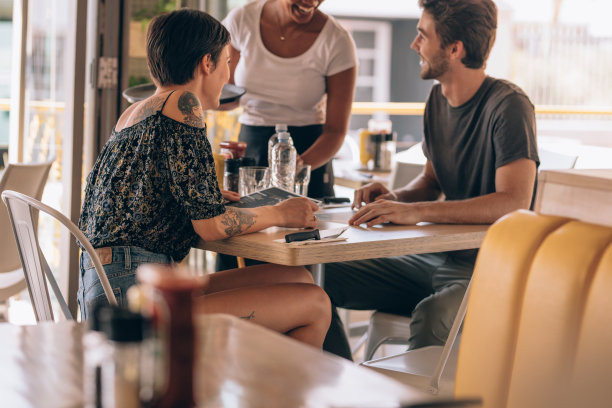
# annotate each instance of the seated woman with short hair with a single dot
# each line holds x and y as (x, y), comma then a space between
(153, 192)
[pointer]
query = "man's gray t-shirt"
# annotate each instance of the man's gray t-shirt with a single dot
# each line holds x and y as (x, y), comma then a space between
(466, 144)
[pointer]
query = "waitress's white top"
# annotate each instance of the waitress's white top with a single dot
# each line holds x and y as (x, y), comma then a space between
(285, 90)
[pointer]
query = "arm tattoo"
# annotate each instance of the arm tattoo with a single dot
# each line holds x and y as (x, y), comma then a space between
(237, 221)
(189, 105)
(250, 316)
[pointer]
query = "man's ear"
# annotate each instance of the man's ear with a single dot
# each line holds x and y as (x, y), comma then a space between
(457, 50)
(207, 65)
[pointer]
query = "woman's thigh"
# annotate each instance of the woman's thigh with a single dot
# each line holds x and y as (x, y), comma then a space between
(280, 307)
(257, 275)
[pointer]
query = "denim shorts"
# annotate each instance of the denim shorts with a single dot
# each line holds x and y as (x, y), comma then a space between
(120, 266)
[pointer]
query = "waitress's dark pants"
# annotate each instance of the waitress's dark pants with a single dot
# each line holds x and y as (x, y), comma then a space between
(256, 137)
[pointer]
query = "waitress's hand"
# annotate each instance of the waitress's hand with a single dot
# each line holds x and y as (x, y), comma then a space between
(299, 163)
(230, 195)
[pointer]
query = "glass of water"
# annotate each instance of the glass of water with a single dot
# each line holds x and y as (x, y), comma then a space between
(253, 178)
(302, 178)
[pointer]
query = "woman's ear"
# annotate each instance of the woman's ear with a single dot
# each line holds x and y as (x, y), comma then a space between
(207, 64)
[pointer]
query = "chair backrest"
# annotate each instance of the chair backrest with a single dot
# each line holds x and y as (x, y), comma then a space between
(592, 369)
(529, 289)
(29, 179)
(550, 160)
(35, 266)
(408, 164)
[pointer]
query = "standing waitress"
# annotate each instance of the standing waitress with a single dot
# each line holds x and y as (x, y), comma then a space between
(298, 67)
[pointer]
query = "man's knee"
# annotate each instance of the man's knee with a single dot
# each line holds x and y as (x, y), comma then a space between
(432, 319)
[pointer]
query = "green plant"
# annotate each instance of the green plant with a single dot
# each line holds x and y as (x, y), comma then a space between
(138, 80)
(145, 15)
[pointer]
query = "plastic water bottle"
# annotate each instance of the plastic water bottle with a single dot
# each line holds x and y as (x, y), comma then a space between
(283, 162)
(280, 127)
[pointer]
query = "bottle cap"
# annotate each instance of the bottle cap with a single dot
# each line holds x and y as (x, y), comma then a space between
(121, 325)
(280, 127)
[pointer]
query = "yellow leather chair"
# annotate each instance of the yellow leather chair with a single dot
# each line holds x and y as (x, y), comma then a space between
(592, 370)
(531, 293)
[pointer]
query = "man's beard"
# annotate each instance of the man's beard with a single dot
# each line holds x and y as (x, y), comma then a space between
(436, 67)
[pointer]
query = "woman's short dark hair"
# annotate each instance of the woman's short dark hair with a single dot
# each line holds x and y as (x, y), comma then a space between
(473, 22)
(177, 42)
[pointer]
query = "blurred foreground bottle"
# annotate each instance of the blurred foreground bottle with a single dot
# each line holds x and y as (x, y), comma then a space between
(121, 370)
(168, 297)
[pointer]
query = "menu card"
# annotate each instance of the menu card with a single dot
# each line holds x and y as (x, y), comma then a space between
(267, 196)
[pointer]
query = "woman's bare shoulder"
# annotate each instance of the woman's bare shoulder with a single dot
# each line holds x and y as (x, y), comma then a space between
(140, 111)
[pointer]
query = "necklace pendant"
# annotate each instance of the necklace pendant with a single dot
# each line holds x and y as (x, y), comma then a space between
(282, 38)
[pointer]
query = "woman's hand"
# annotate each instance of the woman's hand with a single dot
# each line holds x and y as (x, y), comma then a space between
(297, 212)
(230, 195)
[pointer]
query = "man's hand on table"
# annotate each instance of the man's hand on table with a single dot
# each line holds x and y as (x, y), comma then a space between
(381, 211)
(370, 193)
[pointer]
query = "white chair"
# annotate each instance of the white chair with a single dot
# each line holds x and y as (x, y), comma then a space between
(551, 160)
(385, 328)
(408, 164)
(28, 179)
(431, 368)
(35, 266)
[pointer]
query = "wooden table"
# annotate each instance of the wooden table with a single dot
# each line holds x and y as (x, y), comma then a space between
(362, 243)
(239, 364)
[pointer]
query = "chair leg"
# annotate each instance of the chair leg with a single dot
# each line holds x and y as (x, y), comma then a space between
(450, 341)
(386, 328)
(240, 261)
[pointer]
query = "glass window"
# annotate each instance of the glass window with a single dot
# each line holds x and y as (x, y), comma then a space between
(6, 28)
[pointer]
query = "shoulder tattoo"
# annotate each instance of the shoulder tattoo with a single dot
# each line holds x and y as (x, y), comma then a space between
(237, 221)
(190, 107)
(148, 108)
